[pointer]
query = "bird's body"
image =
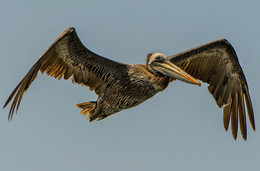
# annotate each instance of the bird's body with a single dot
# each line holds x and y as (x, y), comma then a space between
(121, 86)
(129, 90)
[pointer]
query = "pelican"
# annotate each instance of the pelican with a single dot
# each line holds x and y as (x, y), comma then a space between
(122, 86)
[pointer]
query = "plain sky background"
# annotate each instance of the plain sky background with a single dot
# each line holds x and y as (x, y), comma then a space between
(178, 129)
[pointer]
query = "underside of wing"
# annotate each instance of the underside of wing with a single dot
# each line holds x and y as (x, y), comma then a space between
(216, 63)
(68, 57)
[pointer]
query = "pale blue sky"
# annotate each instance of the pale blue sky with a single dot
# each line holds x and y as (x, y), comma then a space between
(178, 129)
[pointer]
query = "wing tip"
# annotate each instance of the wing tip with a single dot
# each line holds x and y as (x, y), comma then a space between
(5, 104)
(234, 136)
(253, 126)
(250, 110)
(226, 116)
(244, 137)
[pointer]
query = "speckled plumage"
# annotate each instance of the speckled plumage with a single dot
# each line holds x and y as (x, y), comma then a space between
(129, 91)
(121, 86)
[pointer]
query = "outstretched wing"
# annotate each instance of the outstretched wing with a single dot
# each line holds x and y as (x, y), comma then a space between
(67, 57)
(216, 63)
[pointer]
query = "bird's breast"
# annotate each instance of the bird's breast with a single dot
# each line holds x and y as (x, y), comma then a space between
(141, 76)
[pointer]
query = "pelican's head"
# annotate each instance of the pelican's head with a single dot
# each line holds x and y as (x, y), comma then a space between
(158, 63)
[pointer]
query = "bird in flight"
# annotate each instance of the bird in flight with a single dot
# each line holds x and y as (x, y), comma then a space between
(121, 86)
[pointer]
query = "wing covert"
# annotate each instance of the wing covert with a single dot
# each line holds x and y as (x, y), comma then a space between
(216, 63)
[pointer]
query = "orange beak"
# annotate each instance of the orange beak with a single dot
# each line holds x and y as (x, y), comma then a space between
(171, 70)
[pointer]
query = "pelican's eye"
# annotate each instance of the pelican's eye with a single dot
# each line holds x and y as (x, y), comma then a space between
(159, 58)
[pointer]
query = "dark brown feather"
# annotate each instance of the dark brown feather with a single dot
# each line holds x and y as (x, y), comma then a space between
(242, 115)
(249, 108)
(226, 116)
(216, 63)
(234, 116)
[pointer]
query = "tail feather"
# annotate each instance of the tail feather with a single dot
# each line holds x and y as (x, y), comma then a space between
(88, 108)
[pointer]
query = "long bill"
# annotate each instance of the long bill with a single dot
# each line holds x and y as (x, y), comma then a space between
(171, 70)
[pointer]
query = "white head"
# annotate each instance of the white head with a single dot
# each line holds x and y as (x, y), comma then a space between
(154, 57)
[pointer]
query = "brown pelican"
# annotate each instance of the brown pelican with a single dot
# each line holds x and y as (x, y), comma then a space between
(121, 86)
